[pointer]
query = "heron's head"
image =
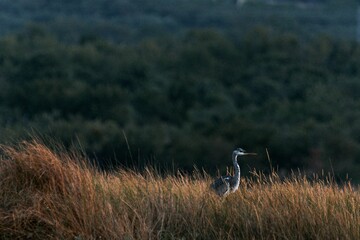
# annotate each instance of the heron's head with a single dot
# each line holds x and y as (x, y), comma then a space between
(242, 152)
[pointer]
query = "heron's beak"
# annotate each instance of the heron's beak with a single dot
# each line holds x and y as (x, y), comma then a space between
(249, 153)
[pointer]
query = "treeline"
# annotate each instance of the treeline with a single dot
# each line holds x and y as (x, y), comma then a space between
(127, 21)
(180, 102)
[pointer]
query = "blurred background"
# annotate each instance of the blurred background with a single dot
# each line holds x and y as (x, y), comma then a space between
(181, 83)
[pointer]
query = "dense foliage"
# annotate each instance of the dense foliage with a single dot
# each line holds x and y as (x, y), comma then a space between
(179, 102)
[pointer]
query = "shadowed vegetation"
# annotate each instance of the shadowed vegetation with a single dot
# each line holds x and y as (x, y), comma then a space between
(51, 194)
(188, 101)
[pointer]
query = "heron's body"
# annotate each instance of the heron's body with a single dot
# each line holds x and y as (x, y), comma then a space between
(227, 184)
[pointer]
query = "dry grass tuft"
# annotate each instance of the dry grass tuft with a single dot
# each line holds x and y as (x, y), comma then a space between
(44, 195)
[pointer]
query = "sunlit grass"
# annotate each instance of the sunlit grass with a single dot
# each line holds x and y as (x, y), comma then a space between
(44, 195)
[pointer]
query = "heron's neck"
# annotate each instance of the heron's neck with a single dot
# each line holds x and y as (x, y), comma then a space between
(236, 166)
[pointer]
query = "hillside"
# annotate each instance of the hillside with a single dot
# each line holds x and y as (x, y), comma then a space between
(54, 195)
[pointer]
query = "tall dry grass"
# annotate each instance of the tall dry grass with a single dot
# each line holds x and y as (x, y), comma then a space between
(45, 195)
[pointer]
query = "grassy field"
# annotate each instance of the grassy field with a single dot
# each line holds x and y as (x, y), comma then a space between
(51, 194)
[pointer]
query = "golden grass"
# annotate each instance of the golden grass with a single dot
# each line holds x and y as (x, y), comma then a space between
(45, 195)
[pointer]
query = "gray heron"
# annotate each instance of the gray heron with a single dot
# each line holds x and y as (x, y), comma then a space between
(227, 184)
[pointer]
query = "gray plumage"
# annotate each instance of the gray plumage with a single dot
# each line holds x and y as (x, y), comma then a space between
(227, 184)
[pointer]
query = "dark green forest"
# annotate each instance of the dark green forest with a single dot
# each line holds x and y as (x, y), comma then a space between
(185, 96)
